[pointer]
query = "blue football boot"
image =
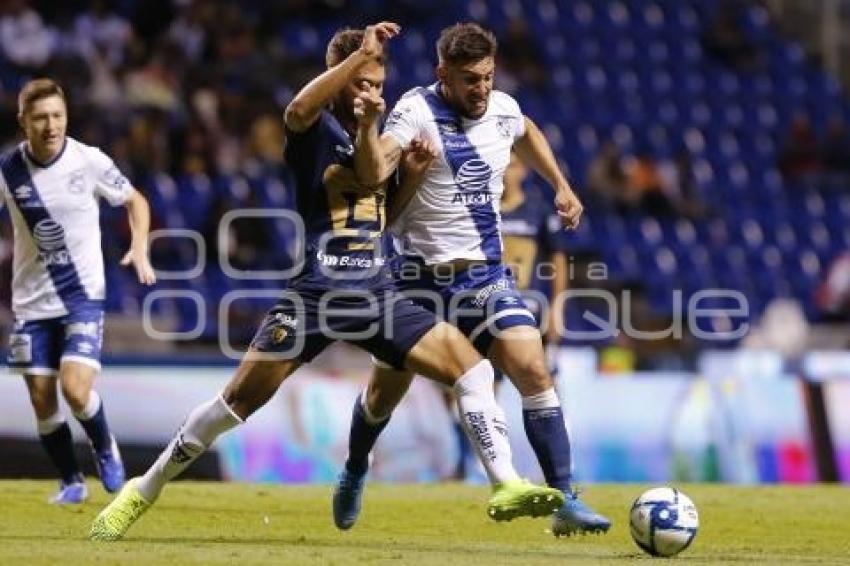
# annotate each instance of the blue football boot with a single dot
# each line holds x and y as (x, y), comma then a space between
(347, 499)
(71, 493)
(110, 467)
(576, 517)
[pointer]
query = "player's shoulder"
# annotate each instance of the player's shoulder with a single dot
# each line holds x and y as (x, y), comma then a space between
(410, 107)
(504, 103)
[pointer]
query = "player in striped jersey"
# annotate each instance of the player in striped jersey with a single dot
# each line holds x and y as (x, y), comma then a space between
(51, 184)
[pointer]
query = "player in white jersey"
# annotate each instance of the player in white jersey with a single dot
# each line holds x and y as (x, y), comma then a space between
(51, 184)
(452, 256)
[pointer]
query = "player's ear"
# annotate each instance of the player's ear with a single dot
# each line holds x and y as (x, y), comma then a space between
(21, 121)
(442, 72)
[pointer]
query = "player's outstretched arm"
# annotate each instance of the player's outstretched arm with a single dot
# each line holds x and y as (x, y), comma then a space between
(305, 108)
(368, 159)
(139, 215)
(534, 150)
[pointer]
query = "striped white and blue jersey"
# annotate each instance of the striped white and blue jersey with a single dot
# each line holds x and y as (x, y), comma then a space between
(455, 212)
(58, 263)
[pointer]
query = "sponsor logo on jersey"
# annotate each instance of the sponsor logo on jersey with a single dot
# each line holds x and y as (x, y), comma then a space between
(473, 175)
(50, 239)
(333, 260)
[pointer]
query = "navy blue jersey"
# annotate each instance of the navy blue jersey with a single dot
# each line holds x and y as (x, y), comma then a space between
(344, 222)
(530, 234)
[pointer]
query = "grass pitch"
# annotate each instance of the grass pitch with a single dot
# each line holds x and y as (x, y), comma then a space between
(213, 523)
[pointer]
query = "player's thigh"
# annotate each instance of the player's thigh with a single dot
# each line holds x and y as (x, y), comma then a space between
(386, 389)
(42, 392)
(256, 380)
(518, 352)
(443, 354)
(76, 379)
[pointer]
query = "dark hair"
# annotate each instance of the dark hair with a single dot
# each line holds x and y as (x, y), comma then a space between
(36, 90)
(344, 42)
(465, 43)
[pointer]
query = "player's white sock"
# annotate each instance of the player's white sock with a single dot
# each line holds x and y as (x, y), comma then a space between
(202, 427)
(484, 422)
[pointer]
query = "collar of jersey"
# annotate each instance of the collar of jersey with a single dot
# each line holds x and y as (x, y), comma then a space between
(56, 157)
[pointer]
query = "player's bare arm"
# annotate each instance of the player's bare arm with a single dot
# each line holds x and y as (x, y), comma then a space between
(415, 162)
(305, 108)
(139, 215)
(535, 151)
(368, 109)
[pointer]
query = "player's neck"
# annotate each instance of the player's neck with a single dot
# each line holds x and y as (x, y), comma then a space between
(43, 155)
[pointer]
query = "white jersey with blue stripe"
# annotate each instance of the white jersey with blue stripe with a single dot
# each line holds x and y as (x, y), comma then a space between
(454, 214)
(58, 263)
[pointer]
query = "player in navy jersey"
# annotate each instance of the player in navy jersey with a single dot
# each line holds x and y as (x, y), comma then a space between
(52, 185)
(344, 291)
(452, 243)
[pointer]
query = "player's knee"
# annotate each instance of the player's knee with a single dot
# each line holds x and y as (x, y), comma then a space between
(76, 393)
(531, 376)
(44, 403)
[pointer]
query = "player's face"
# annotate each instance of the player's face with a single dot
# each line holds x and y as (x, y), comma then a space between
(44, 124)
(467, 87)
(371, 77)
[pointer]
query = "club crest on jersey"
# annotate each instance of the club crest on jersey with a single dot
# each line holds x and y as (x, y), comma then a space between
(77, 183)
(504, 126)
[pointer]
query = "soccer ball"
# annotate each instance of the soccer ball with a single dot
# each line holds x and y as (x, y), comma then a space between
(663, 521)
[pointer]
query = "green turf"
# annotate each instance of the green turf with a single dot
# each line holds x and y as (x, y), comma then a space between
(212, 523)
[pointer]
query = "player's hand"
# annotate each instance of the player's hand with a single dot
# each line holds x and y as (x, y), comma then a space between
(417, 158)
(569, 208)
(375, 36)
(139, 259)
(368, 106)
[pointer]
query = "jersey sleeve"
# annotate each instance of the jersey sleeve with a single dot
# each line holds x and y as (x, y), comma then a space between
(109, 182)
(519, 118)
(405, 121)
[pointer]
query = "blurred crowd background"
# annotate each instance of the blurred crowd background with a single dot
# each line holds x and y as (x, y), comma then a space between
(708, 139)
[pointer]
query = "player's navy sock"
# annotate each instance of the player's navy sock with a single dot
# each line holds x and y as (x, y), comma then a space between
(55, 435)
(365, 429)
(93, 420)
(547, 434)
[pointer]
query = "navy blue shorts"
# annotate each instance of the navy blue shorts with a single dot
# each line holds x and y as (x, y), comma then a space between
(305, 321)
(481, 301)
(36, 347)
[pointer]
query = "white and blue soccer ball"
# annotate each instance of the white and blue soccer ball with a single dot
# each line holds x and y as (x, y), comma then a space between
(663, 521)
